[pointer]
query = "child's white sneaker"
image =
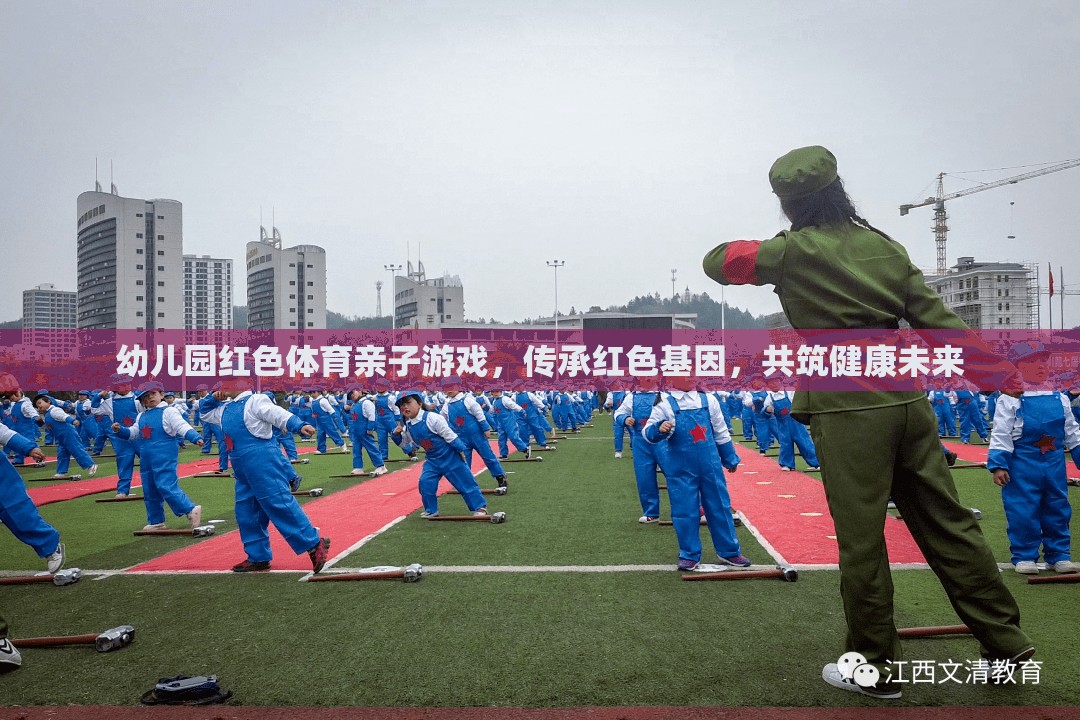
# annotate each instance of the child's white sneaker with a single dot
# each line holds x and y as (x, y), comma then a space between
(1026, 567)
(1065, 566)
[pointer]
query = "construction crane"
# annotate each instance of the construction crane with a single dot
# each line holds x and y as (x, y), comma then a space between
(941, 228)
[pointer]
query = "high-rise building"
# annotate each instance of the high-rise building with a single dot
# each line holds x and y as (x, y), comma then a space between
(208, 296)
(46, 310)
(130, 264)
(426, 304)
(990, 295)
(286, 288)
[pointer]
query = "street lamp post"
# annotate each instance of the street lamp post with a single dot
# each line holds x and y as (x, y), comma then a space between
(556, 264)
(392, 269)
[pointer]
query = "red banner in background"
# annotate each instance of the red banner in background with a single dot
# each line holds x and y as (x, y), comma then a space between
(844, 360)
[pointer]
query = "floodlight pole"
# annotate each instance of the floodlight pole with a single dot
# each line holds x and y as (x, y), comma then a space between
(556, 264)
(392, 269)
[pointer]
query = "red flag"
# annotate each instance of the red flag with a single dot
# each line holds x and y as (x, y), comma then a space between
(1051, 279)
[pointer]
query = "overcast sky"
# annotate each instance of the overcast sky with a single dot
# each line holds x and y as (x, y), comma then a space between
(626, 138)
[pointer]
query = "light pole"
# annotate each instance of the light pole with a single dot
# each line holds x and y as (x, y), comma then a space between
(392, 269)
(556, 264)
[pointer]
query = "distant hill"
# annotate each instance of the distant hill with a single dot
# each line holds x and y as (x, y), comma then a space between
(11, 324)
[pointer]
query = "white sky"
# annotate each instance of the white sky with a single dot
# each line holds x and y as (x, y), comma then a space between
(626, 138)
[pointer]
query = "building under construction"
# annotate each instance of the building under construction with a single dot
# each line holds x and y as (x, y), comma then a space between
(990, 295)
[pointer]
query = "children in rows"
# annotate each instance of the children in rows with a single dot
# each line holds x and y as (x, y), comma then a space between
(359, 410)
(632, 414)
(1027, 462)
(64, 432)
(155, 431)
(284, 439)
(969, 408)
(529, 421)
(17, 511)
(322, 412)
(23, 421)
(466, 418)
(445, 456)
(700, 448)
(120, 407)
(206, 405)
(263, 475)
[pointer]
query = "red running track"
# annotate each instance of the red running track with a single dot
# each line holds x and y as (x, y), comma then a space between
(346, 517)
(789, 510)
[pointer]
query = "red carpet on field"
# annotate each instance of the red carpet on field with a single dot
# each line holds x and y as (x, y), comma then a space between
(789, 510)
(346, 517)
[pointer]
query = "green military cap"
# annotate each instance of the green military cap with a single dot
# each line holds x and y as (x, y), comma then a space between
(802, 171)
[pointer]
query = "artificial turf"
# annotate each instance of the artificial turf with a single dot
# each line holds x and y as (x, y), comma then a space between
(503, 639)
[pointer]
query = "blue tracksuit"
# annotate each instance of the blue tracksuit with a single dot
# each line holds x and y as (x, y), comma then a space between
(1029, 436)
(325, 425)
(17, 510)
(442, 460)
(529, 423)
(158, 456)
(943, 409)
(648, 457)
(747, 419)
(618, 428)
(207, 404)
(386, 421)
(764, 424)
(471, 432)
(695, 477)
(25, 426)
(262, 485)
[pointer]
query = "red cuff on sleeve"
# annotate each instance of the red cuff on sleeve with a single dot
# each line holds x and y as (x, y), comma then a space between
(740, 262)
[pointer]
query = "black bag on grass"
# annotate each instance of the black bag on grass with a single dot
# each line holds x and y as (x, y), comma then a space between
(186, 690)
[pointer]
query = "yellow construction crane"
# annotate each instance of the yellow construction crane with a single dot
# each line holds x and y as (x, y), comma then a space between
(941, 228)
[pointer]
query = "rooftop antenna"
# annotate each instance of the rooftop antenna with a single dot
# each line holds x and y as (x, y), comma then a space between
(97, 185)
(112, 184)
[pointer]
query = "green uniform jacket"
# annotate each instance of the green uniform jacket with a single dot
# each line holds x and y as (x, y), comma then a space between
(843, 278)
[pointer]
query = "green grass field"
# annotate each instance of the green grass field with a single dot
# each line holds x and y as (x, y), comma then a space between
(538, 639)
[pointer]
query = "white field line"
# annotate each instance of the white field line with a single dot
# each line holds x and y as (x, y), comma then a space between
(466, 569)
(773, 553)
(363, 541)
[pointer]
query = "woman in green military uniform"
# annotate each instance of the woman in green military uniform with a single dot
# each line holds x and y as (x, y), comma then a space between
(833, 270)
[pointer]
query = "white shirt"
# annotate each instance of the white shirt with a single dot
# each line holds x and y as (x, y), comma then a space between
(105, 407)
(436, 423)
(471, 406)
(1008, 425)
(691, 400)
(261, 415)
(57, 414)
(172, 422)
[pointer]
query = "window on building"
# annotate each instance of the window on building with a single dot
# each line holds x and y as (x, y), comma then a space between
(161, 283)
(310, 297)
(160, 217)
(292, 324)
(138, 313)
(138, 282)
(1006, 307)
(310, 284)
(311, 324)
(310, 311)
(138, 251)
(138, 235)
(138, 298)
(999, 307)
(161, 315)
(160, 237)
(160, 252)
(1006, 292)
(161, 268)
(138, 214)
(292, 282)
(292, 310)
(161, 299)
(138, 267)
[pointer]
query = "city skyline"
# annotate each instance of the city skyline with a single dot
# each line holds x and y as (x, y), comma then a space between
(486, 138)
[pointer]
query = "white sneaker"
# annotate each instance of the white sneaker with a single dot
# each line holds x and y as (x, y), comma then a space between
(358, 471)
(92, 470)
(1065, 566)
(10, 659)
(480, 513)
(528, 453)
(319, 452)
(1026, 567)
(123, 495)
(59, 476)
(154, 526)
(647, 520)
(785, 469)
(195, 516)
(831, 674)
(344, 448)
(618, 455)
(56, 560)
(379, 471)
(427, 514)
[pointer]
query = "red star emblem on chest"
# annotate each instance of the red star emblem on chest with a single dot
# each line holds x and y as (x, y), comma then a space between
(382, 412)
(698, 433)
(147, 431)
(459, 421)
(314, 414)
(127, 422)
(785, 411)
(1045, 444)
(355, 417)
(426, 444)
(228, 443)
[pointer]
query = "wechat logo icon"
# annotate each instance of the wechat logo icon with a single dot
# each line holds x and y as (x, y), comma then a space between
(853, 666)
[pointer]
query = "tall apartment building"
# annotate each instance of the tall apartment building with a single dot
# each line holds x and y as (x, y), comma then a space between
(208, 296)
(130, 262)
(426, 304)
(46, 310)
(286, 287)
(990, 295)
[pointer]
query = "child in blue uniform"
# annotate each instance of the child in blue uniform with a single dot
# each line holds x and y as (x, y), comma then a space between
(17, 511)
(1026, 459)
(68, 442)
(700, 448)
(445, 456)
(632, 414)
(155, 430)
(466, 418)
(359, 408)
(263, 476)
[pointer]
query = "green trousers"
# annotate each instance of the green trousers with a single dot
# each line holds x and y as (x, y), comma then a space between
(868, 455)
